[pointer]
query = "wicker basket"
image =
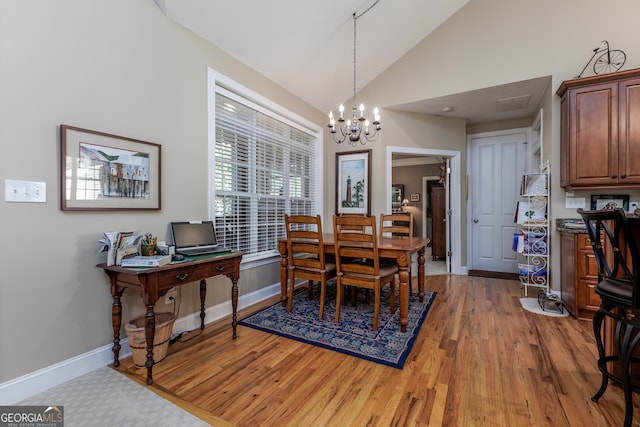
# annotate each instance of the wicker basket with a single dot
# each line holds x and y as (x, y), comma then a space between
(138, 340)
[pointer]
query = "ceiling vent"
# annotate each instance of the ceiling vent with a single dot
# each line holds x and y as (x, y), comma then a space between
(514, 103)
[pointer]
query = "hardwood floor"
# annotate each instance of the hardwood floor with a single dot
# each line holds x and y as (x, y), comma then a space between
(479, 360)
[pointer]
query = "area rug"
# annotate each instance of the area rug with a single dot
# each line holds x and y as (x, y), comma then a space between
(532, 305)
(354, 334)
(105, 397)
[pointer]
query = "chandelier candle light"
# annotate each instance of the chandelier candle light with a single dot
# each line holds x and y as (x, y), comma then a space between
(357, 129)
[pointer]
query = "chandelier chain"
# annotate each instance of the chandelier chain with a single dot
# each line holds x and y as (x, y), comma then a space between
(355, 18)
(367, 9)
(354, 57)
(357, 128)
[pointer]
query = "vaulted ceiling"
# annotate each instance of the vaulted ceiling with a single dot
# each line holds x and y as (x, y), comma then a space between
(307, 48)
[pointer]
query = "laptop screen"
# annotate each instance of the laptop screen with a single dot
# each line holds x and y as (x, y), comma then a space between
(190, 234)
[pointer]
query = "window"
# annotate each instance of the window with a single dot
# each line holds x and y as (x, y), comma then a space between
(265, 164)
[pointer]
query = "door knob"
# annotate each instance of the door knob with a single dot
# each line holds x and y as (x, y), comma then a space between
(475, 220)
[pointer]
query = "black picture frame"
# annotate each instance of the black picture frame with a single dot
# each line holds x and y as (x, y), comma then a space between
(397, 196)
(353, 182)
(608, 201)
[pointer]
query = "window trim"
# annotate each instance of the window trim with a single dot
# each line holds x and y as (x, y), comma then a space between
(220, 83)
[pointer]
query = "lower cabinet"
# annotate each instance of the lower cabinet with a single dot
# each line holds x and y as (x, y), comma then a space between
(578, 279)
(579, 275)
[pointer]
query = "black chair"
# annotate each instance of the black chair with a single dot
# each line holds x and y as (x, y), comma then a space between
(616, 252)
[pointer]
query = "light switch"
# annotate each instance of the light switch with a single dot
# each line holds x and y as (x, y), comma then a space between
(25, 191)
(574, 202)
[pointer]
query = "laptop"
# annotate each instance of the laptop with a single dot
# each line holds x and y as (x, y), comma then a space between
(193, 238)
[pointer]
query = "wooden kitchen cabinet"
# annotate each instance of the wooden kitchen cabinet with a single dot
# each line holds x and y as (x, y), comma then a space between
(600, 131)
(579, 275)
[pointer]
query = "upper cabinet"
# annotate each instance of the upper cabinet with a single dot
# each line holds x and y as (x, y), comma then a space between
(600, 131)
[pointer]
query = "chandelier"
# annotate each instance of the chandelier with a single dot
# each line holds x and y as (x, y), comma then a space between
(358, 128)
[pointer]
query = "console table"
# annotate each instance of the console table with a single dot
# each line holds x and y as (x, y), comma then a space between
(155, 282)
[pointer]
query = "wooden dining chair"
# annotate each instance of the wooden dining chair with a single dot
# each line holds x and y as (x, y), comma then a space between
(397, 224)
(306, 258)
(358, 263)
(353, 228)
(616, 252)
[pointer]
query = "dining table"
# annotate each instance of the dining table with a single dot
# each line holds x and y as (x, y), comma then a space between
(399, 248)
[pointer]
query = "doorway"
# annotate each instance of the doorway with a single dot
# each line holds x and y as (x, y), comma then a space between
(454, 243)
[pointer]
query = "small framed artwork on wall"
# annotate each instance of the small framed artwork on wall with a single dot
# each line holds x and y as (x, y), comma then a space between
(100, 171)
(606, 202)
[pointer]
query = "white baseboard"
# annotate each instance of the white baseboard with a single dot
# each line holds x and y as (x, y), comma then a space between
(20, 388)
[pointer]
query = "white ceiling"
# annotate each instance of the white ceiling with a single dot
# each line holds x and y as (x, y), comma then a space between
(307, 47)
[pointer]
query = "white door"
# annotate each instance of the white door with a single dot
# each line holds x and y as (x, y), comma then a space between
(447, 214)
(497, 164)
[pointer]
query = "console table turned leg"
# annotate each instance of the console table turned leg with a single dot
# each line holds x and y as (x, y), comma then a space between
(203, 294)
(150, 332)
(116, 321)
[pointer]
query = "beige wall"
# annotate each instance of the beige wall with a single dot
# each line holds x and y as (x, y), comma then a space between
(494, 42)
(411, 177)
(119, 67)
(400, 129)
(122, 67)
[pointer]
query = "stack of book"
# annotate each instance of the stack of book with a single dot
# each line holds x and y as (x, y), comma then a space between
(146, 261)
(530, 243)
(119, 245)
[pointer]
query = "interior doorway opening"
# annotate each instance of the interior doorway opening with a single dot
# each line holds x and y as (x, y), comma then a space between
(453, 226)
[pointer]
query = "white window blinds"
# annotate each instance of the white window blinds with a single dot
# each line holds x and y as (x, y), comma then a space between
(265, 166)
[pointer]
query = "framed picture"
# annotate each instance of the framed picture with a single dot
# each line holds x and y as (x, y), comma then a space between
(604, 202)
(99, 171)
(415, 197)
(353, 182)
(397, 195)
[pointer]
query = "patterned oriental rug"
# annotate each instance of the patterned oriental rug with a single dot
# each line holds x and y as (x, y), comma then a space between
(354, 334)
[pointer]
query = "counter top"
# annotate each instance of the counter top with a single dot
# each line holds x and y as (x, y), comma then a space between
(576, 225)
(571, 225)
